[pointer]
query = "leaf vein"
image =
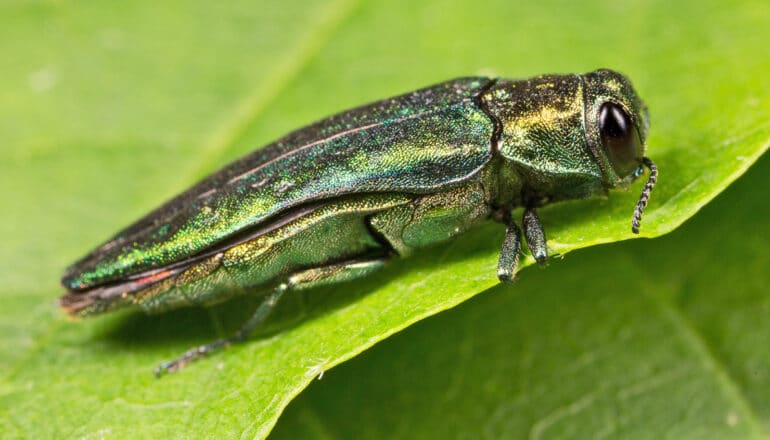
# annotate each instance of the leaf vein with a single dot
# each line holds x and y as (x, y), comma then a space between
(698, 343)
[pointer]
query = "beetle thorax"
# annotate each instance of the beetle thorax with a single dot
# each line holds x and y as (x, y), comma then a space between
(541, 139)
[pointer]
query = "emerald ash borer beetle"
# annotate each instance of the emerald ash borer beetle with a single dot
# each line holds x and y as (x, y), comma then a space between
(337, 199)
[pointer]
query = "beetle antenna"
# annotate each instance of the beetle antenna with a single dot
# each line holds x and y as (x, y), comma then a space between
(645, 197)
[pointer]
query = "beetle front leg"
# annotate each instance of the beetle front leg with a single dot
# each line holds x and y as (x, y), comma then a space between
(510, 253)
(535, 235)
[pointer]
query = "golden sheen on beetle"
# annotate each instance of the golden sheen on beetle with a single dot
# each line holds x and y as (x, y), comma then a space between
(337, 199)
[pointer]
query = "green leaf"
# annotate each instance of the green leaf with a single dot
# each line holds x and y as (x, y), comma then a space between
(106, 110)
(669, 341)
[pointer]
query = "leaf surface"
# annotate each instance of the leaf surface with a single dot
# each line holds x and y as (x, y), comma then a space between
(107, 110)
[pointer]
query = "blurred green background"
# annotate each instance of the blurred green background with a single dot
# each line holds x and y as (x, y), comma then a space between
(108, 109)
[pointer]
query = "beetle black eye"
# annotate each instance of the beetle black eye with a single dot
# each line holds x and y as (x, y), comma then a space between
(619, 138)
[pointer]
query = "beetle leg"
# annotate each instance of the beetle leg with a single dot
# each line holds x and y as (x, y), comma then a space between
(305, 279)
(511, 250)
(535, 235)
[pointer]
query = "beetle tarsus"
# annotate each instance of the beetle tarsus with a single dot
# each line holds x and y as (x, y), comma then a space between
(535, 235)
(190, 356)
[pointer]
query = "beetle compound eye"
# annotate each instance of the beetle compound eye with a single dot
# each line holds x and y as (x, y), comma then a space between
(619, 138)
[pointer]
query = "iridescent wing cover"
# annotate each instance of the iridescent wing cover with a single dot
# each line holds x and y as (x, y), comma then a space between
(414, 143)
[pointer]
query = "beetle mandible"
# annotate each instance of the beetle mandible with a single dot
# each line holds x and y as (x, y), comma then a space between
(337, 199)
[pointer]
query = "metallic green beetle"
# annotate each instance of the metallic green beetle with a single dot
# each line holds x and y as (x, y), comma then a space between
(335, 200)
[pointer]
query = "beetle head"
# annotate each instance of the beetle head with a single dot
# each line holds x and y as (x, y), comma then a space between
(616, 123)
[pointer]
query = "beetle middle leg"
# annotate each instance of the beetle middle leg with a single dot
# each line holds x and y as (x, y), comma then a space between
(304, 279)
